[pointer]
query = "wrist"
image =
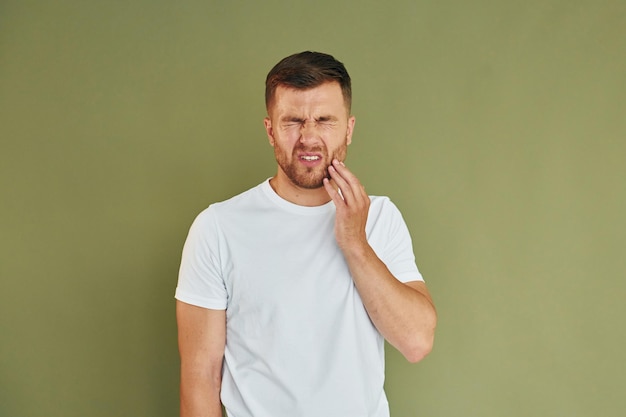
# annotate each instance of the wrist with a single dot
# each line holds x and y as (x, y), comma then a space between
(355, 249)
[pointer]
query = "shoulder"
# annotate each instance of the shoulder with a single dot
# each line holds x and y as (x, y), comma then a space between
(382, 206)
(210, 215)
(243, 201)
(384, 216)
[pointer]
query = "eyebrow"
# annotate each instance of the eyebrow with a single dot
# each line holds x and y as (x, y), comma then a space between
(292, 119)
(295, 119)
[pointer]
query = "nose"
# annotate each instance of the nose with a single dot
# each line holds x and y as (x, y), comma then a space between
(308, 131)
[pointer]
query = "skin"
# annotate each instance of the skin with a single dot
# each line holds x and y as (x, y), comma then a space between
(201, 342)
(403, 313)
(314, 123)
(310, 131)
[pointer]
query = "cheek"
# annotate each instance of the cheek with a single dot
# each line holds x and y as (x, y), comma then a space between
(288, 136)
(284, 145)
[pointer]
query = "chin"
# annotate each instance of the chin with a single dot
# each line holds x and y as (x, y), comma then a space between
(309, 179)
(308, 183)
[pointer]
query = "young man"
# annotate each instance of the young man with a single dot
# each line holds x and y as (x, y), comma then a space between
(287, 291)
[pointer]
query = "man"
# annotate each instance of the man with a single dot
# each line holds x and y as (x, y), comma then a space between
(287, 291)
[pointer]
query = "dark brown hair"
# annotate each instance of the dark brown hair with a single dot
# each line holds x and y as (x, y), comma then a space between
(306, 70)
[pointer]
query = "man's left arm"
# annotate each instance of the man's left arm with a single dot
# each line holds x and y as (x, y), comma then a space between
(403, 313)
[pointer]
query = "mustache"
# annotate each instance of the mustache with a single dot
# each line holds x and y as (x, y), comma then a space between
(302, 148)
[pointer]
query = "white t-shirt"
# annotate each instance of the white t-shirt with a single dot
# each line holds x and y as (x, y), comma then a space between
(299, 342)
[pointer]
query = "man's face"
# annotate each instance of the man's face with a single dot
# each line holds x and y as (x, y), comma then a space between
(308, 129)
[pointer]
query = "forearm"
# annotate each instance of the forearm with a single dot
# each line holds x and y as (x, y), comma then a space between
(404, 315)
(199, 393)
(201, 342)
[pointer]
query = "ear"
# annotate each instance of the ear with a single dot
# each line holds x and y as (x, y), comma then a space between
(351, 121)
(269, 130)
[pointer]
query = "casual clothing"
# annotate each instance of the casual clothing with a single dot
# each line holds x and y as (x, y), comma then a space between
(299, 341)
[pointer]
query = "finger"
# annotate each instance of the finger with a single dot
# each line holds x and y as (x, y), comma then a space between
(343, 171)
(344, 186)
(350, 182)
(333, 191)
(347, 175)
(336, 187)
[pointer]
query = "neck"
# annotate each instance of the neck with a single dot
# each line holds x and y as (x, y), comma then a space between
(308, 197)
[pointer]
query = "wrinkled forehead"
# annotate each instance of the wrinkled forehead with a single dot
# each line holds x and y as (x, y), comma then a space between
(323, 100)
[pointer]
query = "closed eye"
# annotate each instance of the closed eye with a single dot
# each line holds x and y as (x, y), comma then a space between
(293, 122)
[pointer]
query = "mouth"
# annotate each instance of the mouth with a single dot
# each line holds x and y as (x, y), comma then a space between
(310, 158)
(309, 161)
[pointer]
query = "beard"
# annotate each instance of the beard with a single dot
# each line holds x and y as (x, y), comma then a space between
(308, 177)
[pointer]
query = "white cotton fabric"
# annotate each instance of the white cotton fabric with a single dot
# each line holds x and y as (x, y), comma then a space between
(299, 342)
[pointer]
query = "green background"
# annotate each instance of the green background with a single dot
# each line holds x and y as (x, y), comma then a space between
(497, 127)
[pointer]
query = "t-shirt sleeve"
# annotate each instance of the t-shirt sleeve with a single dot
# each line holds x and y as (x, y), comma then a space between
(200, 280)
(397, 253)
